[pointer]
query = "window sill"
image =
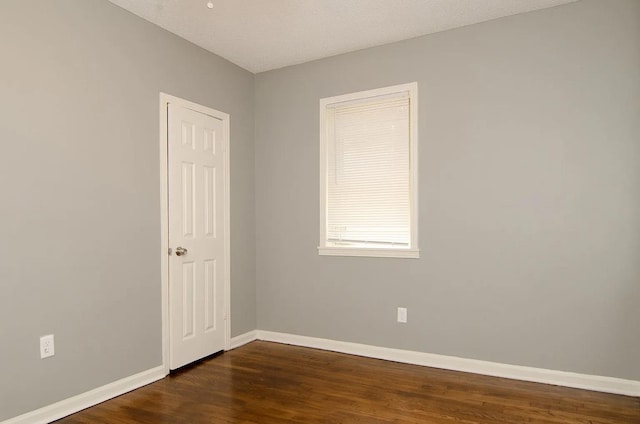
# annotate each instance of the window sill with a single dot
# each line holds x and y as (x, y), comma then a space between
(369, 252)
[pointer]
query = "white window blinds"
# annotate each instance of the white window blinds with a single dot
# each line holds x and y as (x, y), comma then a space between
(368, 172)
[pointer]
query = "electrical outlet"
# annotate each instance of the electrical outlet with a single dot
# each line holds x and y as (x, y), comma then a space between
(46, 346)
(402, 315)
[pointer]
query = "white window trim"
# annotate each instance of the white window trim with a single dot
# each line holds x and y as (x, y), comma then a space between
(412, 251)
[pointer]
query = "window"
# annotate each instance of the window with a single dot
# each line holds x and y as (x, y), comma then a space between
(368, 173)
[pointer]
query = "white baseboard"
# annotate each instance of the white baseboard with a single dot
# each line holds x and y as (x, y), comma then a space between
(516, 372)
(93, 397)
(82, 401)
(597, 383)
(243, 339)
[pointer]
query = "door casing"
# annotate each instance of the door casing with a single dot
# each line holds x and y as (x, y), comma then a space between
(165, 99)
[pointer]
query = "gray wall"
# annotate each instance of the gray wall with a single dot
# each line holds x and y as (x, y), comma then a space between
(529, 195)
(79, 180)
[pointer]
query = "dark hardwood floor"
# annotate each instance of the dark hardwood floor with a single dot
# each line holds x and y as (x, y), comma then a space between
(272, 383)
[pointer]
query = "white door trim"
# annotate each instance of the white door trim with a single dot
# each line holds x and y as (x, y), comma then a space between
(165, 99)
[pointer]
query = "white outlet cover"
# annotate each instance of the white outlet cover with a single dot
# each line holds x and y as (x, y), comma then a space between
(402, 315)
(47, 347)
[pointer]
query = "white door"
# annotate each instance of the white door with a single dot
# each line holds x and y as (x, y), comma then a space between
(196, 178)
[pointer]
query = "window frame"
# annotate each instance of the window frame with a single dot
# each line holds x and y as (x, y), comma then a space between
(325, 247)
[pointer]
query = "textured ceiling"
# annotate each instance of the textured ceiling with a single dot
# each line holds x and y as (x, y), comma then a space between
(260, 35)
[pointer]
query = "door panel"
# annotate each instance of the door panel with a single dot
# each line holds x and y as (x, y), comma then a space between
(196, 172)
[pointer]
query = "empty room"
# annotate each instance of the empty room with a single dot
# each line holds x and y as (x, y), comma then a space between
(320, 211)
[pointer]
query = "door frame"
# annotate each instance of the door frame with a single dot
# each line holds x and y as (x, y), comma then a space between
(165, 99)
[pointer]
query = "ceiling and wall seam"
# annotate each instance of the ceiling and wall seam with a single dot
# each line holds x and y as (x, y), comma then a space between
(260, 36)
